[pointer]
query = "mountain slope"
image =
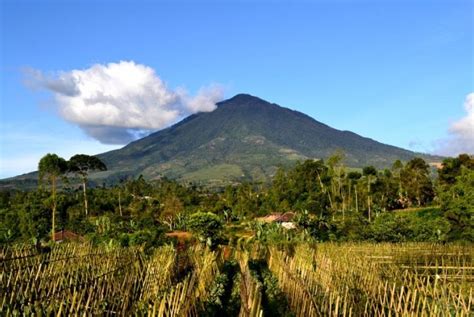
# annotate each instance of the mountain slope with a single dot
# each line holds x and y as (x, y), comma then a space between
(244, 138)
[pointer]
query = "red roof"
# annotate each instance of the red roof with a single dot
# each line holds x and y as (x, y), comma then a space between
(67, 235)
(278, 217)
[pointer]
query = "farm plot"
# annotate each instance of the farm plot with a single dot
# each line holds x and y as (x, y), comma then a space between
(260, 280)
(376, 279)
(75, 279)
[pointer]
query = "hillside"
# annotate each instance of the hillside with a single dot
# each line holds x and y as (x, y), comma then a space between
(245, 138)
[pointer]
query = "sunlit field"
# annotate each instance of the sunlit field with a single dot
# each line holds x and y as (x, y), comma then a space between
(349, 279)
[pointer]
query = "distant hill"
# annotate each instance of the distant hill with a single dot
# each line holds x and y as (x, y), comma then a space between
(245, 138)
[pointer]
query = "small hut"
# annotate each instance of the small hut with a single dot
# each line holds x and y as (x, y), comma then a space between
(66, 235)
(284, 219)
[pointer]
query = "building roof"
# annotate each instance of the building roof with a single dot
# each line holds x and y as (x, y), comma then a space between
(278, 217)
(67, 235)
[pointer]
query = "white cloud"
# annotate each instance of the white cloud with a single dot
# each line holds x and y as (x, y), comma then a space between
(465, 126)
(117, 102)
(461, 133)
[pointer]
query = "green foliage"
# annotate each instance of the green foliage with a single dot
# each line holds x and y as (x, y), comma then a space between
(451, 168)
(206, 226)
(458, 205)
(274, 301)
(318, 227)
(369, 170)
(52, 166)
(84, 164)
(417, 182)
(389, 228)
(330, 201)
(422, 225)
(111, 229)
(28, 215)
(214, 304)
(303, 187)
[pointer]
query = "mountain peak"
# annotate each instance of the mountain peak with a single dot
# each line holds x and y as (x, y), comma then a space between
(243, 98)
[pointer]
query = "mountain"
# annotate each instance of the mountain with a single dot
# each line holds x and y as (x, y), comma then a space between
(245, 138)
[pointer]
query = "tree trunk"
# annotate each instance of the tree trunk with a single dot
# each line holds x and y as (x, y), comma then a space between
(53, 181)
(85, 195)
(357, 202)
(349, 198)
(368, 196)
(120, 203)
(326, 191)
(368, 202)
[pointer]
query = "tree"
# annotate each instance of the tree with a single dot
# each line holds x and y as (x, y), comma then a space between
(353, 179)
(81, 165)
(397, 169)
(451, 168)
(206, 226)
(335, 171)
(52, 167)
(368, 172)
(458, 205)
(172, 206)
(416, 181)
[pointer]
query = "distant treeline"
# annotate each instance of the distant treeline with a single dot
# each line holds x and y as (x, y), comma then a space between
(331, 202)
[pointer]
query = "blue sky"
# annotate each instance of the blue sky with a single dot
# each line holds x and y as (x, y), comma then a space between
(395, 71)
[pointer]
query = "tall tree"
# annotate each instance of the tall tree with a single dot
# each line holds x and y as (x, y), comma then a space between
(397, 168)
(353, 179)
(451, 168)
(416, 181)
(335, 165)
(457, 202)
(370, 174)
(81, 165)
(52, 167)
(172, 206)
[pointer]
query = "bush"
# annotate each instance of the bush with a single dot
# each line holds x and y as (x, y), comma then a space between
(206, 226)
(389, 227)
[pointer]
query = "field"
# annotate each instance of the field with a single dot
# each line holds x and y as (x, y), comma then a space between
(416, 279)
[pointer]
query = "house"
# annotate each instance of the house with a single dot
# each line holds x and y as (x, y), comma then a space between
(66, 235)
(278, 217)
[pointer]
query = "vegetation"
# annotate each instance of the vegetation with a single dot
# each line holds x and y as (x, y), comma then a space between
(331, 203)
(363, 242)
(82, 164)
(207, 226)
(52, 167)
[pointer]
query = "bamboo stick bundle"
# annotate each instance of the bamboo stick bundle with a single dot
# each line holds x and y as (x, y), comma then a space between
(250, 288)
(158, 273)
(184, 298)
(345, 274)
(55, 285)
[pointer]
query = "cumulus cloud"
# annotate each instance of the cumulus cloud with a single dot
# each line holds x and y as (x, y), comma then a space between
(116, 103)
(461, 133)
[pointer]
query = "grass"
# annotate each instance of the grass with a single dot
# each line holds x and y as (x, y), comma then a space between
(222, 172)
(420, 212)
